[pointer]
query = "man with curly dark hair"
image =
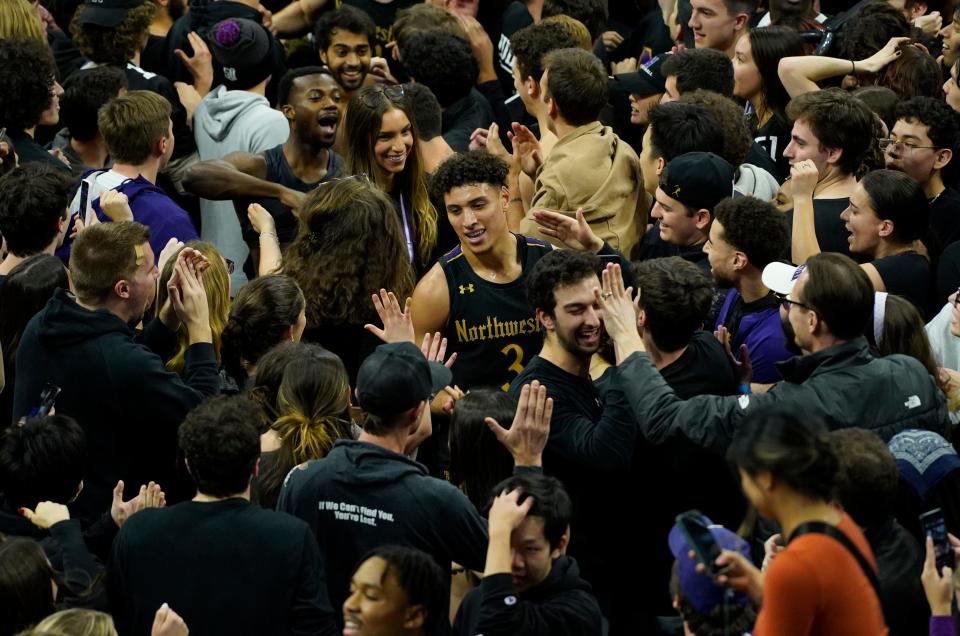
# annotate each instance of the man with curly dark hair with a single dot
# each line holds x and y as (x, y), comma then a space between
(474, 294)
(343, 39)
(28, 73)
(746, 235)
(444, 63)
(114, 34)
(275, 585)
(923, 143)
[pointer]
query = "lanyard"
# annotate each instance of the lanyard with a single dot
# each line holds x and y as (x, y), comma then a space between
(406, 228)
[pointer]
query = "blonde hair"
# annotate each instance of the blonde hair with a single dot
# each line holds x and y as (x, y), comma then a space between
(216, 282)
(314, 395)
(76, 622)
(19, 20)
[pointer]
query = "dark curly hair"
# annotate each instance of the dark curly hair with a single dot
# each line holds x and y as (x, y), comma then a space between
(443, 63)
(700, 68)
(476, 166)
(838, 120)
(754, 227)
(347, 18)
(262, 312)
(873, 27)
(592, 13)
(793, 447)
(676, 298)
(220, 442)
(33, 198)
(942, 122)
(84, 92)
(531, 43)
(427, 114)
(867, 479)
(558, 269)
(677, 128)
(737, 140)
(349, 246)
(43, 459)
(28, 73)
(113, 45)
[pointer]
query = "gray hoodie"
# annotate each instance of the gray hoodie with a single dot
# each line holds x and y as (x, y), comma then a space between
(233, 121)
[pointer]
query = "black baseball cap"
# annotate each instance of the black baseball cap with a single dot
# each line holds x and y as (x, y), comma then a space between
(396, 377)
(107, 13)
(699, 180)
(646, 81)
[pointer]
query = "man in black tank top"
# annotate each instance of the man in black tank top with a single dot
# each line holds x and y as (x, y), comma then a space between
(475, 293)
(277, 179)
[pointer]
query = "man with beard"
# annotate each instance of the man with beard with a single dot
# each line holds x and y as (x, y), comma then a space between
(112, 381)
(310, 99)
(747, 234)
(592, 433)
(343, 41)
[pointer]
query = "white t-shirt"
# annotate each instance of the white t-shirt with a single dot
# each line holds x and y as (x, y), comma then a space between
(97, 184)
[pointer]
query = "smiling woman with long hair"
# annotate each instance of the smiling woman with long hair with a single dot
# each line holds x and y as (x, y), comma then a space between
(382, 144)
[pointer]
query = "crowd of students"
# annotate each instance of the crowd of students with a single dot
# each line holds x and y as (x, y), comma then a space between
(388, 317)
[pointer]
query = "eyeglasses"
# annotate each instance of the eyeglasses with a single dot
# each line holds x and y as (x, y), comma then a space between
(786, 303)
(901, 146)
(371, 96)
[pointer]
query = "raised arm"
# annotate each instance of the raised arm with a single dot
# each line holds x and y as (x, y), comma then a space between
(297, 17)
(804, 243)
(800, 74)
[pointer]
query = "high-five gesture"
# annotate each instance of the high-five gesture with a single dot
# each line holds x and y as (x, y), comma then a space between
(150, 496)
(397, 323)
(619, 312)
(575, 233)
(528, 435)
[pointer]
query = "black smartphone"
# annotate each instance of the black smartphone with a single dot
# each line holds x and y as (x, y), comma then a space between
(84, 200)
(48, 397)
(935, 527)
(701, 540)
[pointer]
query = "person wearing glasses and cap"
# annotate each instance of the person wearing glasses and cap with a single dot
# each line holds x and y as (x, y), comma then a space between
(368, 492)
(826, 307)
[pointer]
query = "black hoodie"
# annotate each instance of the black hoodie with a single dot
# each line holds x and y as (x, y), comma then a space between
(561, 604)
(361, 496)
(116, 387)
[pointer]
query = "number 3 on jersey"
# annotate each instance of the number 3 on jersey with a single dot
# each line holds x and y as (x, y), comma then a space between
(514, 351)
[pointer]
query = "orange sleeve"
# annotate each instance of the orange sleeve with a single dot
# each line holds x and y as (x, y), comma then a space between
(791, 595)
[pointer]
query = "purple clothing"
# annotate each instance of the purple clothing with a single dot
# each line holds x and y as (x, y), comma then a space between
(942, 626)
(152, 207)
(763, 335)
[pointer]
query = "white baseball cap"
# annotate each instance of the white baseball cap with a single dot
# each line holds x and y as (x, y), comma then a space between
(780, 277)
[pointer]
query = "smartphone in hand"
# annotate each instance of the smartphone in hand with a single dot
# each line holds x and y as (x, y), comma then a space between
(701, 540)
(935, 527)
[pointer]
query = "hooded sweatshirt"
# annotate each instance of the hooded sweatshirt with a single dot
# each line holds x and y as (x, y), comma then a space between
(560, 604)
(233, 121)
(361, 496)
(152, 207)
(116, 387)
(593, 169)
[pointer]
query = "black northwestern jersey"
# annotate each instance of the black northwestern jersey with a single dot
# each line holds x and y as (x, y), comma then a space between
(493, 329)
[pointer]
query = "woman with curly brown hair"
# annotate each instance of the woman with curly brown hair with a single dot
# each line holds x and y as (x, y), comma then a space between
(350, 245)
(382, 144)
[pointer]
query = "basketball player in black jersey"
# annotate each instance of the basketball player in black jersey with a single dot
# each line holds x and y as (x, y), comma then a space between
(312, 101)
(475, 293)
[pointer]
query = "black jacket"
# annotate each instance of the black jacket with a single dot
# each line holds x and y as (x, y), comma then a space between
(361, 496)
(562, 605)
(227, 567)
(844, 385)
(899, 562)
(116, 387)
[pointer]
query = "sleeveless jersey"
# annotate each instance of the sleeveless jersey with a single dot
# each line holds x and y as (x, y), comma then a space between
(493, 329)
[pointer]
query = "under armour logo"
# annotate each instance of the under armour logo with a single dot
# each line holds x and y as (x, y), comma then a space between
(676, 191)
(230, 73)
(466, 289)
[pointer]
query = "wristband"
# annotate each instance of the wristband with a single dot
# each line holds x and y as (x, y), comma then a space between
(273, 234)
(744, 389)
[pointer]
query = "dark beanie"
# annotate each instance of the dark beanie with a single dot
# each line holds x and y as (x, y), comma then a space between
(241, 50)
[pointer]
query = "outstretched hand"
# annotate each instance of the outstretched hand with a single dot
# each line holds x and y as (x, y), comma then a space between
(397, 323)
(528, 435)
(200, 64)
(47, 514)
(575, 233)
(150, 496)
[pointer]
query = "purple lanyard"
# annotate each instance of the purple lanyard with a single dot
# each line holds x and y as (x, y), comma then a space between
(406, 228)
